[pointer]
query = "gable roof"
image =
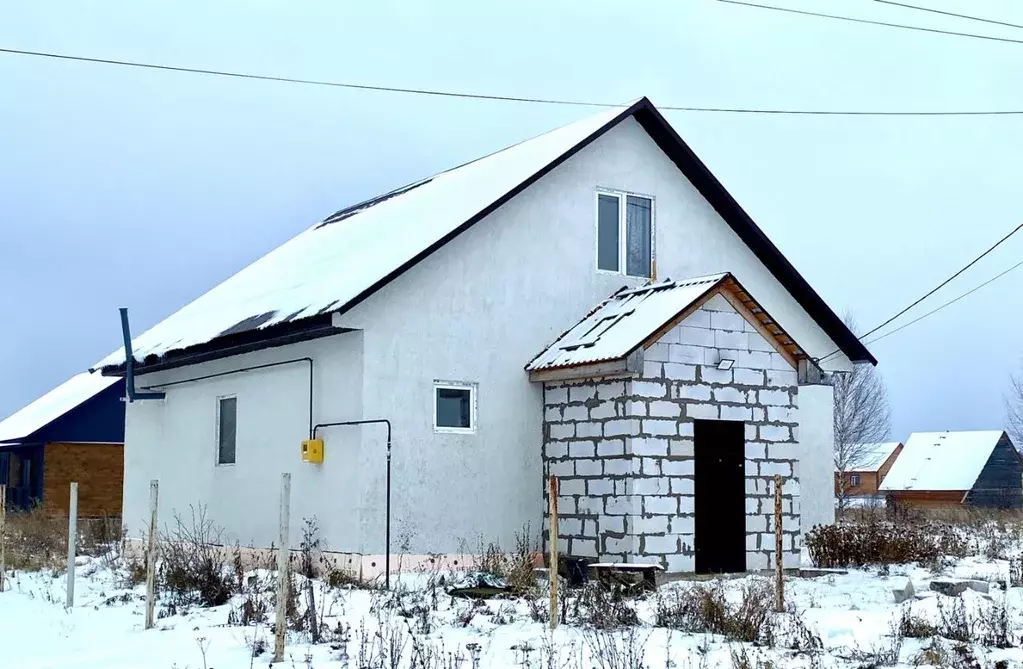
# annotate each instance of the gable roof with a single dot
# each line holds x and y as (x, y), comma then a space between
(635, 317)
(941, 460)
(334, 265)
(873, 456)
(54, 404)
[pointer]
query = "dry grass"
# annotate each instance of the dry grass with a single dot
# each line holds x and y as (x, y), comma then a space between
(875, 542)
(705, 608)
(36, 540)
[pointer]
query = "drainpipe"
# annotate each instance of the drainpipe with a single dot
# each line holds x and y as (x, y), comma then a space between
(129, 365)
(387, 513)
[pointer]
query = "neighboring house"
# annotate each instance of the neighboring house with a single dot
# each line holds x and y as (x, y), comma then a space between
(864, 476)
(75, 432)
(424, 305)
(948, 469)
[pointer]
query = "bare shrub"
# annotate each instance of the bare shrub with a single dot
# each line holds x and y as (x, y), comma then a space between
(989, 626)
(861, 544)
(1016, 572)
(603, 607)
(98, 536)
(36, 541)
(193, 566)
(913, 626)
(608, 653)
(952, 656)
(516, 568)
(704, 608)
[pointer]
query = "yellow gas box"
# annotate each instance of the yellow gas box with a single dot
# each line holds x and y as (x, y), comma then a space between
(312, 451)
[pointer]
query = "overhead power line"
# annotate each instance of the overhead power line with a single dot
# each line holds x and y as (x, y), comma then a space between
(950, 302)
(500, 98)
(944, 13)
(886, 24)
(935, 289)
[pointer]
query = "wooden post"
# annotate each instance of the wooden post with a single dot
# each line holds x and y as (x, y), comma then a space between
(72, 541)
(3, 535)
(552, 568)
(154, 500)
(779, 580)
(282, 569)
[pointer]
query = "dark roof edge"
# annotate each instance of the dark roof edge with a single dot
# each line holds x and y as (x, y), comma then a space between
(743, 225)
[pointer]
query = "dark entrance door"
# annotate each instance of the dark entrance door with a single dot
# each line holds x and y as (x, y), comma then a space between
(720, 488)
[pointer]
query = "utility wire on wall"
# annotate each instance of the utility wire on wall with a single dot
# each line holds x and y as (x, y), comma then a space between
(501, 98)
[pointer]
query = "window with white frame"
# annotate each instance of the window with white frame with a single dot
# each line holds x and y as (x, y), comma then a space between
(454, 407)
(227, 429)
(625, 227)
(854, 480)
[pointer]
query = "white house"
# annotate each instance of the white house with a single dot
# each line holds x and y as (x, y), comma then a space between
(424, 306)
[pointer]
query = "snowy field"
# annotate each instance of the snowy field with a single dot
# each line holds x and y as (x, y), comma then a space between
(835, 620)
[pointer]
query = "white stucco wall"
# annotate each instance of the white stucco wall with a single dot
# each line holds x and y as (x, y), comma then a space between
(476, 310)
(480, 307)
(175, 440)
(816, 454)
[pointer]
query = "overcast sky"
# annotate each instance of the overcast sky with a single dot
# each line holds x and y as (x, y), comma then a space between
(138, 188)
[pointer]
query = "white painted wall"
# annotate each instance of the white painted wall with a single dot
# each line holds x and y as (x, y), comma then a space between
(175, 440)
(483, 305)
(476, 310)
(816, 455)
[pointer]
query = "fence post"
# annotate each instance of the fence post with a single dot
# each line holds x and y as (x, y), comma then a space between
(72, 541)
(779, 580)
(154, 500)
(3, 535)
(282, 569)
(552, 570)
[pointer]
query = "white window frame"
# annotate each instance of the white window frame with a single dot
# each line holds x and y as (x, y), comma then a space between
(623, 245)
(456, 385)
(216, 433)
(854, 480)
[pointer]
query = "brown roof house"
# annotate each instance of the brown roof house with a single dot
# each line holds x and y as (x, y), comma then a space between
(858, 485)
(950, 469)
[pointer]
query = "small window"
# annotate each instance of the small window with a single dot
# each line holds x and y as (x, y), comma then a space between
(454, 408)
(227, 429)
(854, 480)
(625, 233)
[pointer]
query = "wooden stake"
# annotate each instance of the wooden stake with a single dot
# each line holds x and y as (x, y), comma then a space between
(552, 571)
(282, 569)
(154, 500)
(72, 541)
(779, 580)
(3, 535)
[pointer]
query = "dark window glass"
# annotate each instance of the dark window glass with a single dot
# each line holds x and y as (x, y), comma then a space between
(228, 430)
(637, 235)
(454, 408)
(607, 232)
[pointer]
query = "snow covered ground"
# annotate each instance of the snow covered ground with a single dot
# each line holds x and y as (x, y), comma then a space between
(851, 613)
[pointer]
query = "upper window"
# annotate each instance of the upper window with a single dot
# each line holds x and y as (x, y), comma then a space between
(854, 480)
(227, 429)
(454, 407)
(625, 233)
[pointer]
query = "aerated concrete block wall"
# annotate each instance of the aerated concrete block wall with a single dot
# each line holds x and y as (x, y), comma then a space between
(623, 448)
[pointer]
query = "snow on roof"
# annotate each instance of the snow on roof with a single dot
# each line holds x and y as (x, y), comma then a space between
(872, 457)
(941, 460)
(53, 405)
(333, 262)
(624, 321)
